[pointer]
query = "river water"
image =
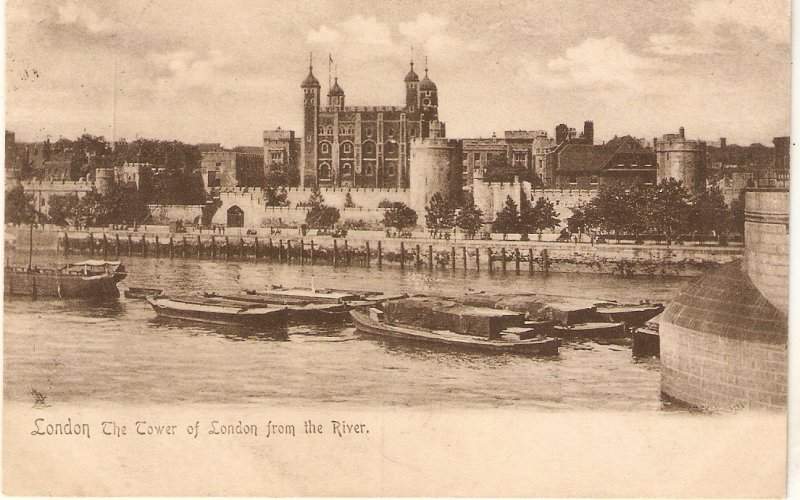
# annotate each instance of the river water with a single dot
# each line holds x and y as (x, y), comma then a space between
(118, 352)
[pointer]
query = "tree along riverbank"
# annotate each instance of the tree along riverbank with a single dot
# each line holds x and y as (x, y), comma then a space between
(372, 250)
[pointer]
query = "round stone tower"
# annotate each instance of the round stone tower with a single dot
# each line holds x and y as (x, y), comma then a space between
(724, 338)
(683, 160)
(435, 167)
(104, 179)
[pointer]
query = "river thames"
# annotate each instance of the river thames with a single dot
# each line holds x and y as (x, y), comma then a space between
(76, 352)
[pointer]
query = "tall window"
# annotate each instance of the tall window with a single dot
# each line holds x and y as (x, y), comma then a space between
(346, 149)
(368, 149)
(325, 172)
(390, 150)
(325, 149)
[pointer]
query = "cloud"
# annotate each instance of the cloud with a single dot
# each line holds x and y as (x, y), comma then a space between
(668, 44)
(768, 19)
(322, 36)
(83, 17)
(717, 25)
(598, 61)
(367, 31)
(423, 27)
(183, 70)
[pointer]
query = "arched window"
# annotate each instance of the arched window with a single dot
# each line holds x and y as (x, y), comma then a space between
(321, 129)
(347, 170)
(368, 149)
(329, 130)
(325, 149)
(390, 150)
(325, 172)
(346, 149)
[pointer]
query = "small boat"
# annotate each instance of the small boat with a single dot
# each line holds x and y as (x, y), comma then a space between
(136, 292)
(646, 341)
(592, 330)
(300, 310)
(94, 279)
(219, 311)
(633, 315)
(373, 321)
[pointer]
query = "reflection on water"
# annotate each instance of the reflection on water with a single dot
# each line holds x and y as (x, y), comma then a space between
(118, 351)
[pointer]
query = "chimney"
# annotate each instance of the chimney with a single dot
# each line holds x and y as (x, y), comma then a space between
(682, 133)
(588, 131)
(723, 142)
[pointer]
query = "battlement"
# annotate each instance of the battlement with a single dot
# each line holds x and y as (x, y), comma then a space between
(379, 109)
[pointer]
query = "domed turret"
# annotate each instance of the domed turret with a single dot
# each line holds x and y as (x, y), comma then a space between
(336, 95)
(412, 75)
(336, 89)
(310, 81)
(412, 90)
(427, 83)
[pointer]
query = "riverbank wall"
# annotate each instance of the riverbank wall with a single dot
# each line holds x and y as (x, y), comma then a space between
(367, 249)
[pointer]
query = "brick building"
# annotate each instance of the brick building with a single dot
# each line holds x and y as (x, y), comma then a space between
(576, 165)
(520, 149)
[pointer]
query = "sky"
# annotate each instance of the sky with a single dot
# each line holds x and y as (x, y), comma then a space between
(214, 71)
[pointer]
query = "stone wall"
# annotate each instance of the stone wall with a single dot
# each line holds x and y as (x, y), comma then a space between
(719, 373)
(164, 214)
(766, 235)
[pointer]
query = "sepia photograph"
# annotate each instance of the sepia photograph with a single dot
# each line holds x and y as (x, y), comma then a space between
(400, 248)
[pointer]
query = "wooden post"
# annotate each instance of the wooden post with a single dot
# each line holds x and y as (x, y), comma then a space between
(313, 258)
(477, 258)
(453, 257)
(144, 246)
(489, 257)
(199, 248)
(346, 254)
(402, 255)
(91, 244)
(464, 249)
(280, 250)
(545, 261)
(158, 248)
(270, 251)
(335, 253)
(430, 257)
(503, 255)
(367, 256)
(213, 247)
(105, 247)
(530, 260)
(171, 247)
(516, 259)
(417, 258)
(288, 251)
(227, 249)
(380, 255)
(66, 243)
(183, 247)
(116, 246)
(255, 248)
(302, 251)
(241, 248)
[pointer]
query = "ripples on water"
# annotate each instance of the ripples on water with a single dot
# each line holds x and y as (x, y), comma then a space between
(75, 351)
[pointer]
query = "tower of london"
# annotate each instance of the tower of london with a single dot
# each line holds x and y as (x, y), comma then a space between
(364, 146)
